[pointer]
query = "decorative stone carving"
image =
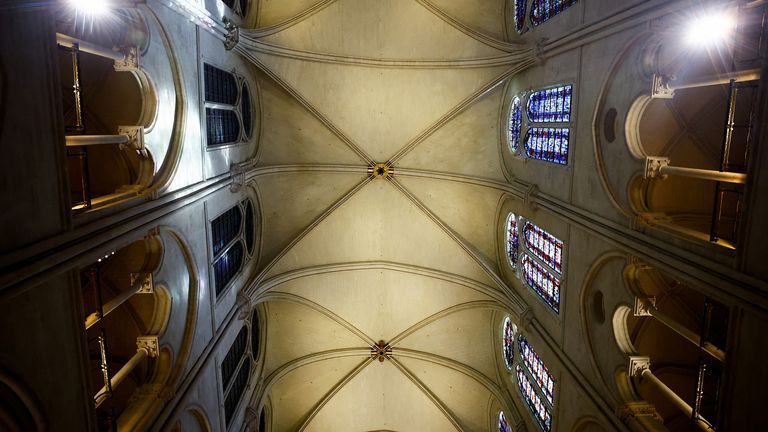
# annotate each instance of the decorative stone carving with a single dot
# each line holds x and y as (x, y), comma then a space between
(233, 34)
(149, 343)
(243, 305)
(130, 61)
(638, 364)
(643, 305)
(653, 165)
(238, 177)
(135, 137)
(381, 171)
(146, 280)
(660, 87)
(381, 351)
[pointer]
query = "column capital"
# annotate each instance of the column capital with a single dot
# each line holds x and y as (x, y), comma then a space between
(130, 60)
(150, 344)
(146, 280)
(643, 306)
(237, 174)
(135, 136)
(653, 165)
(638, 364)
(660, 87)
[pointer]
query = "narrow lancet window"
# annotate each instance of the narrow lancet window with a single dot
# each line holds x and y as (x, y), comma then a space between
(543, 10)
(546, 285)
(503, 426)
(513, 240)
(510, 330)
(535, 366)
(544, 245)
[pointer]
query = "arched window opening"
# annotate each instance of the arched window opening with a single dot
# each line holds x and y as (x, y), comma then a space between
(105, 99)
(534, 381)
(547, 124)
(228, 115)
(513, 240)
(262, 421)
(232, 243)
(503, 425)
(508, 349)
(539, 262)
(123, 315)
(543, 10)
(235, 371)
(678, 340)
(520, 7)
(696, 144)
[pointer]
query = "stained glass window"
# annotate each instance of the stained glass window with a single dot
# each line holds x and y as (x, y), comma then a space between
(520, 6)
(510, 329)
(513, 240)
(503, 426)
(543, 10)
(220, 85)
(236, 391)
(515, 124)
(550, 105)
(232, 359)
(225, 228)
(540, 280)
(544, 245)
(222, 126)
(250, 229)
(537, 369)
(539, 408)
(548, 144)
(245, 110)
(227, 266)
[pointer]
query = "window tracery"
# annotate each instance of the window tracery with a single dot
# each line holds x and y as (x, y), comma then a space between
(228, 116)
(543, 10)
(539, 262)
(546, 124)
(232, 243)
(235, 371)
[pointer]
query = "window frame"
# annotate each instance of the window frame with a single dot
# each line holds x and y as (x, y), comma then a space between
(527, 124)
(242, 205)
(524, 252)
(241, 84)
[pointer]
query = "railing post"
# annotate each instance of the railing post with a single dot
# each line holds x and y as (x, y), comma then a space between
(147, 346)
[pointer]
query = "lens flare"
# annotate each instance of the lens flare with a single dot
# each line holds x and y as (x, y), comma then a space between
(93, 8)
(711, 28)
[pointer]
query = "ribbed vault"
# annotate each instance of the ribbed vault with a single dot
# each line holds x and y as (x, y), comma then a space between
(349, 261)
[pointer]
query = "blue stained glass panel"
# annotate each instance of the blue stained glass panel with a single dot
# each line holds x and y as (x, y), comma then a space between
(227, 266)
(548, 144)
(245, 110)
(220, 85)
(544, 245)
(222, 126)
(513, 240)
(515, 124)
(236, 391)
(550, 105)
(520, 6)
(225, 228)
(509, 342)
(503, 426)
(232, 359)
(543, 10)
(538, 407)
(537, 369)
(542, 282)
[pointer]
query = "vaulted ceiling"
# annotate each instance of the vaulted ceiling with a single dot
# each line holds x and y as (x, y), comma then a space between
(347, 259)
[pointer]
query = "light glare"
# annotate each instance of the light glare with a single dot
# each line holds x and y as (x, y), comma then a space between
(90, 7)
(709, 29)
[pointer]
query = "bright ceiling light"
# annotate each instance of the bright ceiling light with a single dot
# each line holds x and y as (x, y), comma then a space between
(90, 7)
(710, 28)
